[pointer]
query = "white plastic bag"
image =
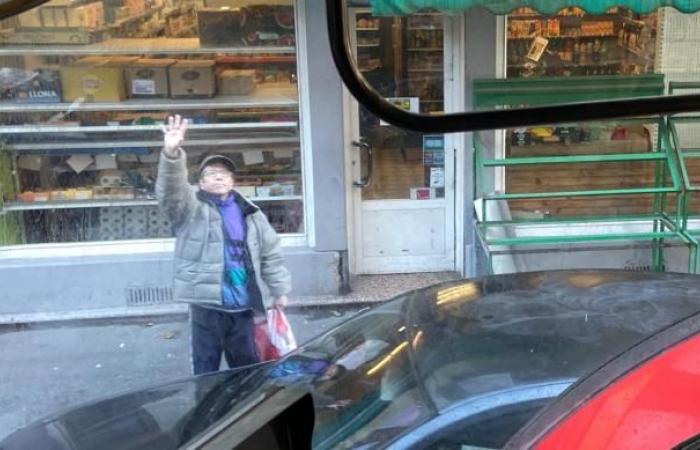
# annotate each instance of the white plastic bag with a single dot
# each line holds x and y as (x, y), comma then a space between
(280, 331)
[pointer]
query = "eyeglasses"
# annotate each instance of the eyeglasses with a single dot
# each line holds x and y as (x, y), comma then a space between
(211, 173)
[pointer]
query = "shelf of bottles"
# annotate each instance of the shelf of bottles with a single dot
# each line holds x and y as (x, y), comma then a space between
(424, 60)
(619, 42)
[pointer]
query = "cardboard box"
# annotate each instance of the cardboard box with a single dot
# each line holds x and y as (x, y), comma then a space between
(112, 193)
(93, 79)
(122, 13)
(48, 36)
(246, 191)
(275, 190)
(47, 16)
(61, 2)
(30, 19)
(148, 78)
(136, 7)
(26, 196)
(83, 194)
(236, 82)
(43, 87)
(192, 78)
(90, 15)
(110, 178)
(42, 196)
(221, 26)
(262, 191)
(121, 61)
(269, 25)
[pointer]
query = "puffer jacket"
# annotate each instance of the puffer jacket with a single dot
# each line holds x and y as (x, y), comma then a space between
(199, 247)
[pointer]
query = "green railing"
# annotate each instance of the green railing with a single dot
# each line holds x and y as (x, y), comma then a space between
(663, 221)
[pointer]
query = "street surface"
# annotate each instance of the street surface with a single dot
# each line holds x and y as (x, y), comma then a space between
(45, 368)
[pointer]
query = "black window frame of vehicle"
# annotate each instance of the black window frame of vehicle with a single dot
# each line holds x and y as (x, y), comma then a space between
(482, 120)
(691, 444)
(591, 385)
(9, 8)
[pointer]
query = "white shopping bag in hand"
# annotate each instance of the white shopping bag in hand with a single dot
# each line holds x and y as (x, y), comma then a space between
(280, 332)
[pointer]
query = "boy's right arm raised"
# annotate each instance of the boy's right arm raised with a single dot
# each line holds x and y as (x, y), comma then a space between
(175, 196)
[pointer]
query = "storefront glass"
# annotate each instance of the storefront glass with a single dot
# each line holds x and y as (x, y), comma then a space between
(574, 43)
(403, 59)
(85, 87)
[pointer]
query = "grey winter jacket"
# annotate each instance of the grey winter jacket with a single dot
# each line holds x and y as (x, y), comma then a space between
(199, 247)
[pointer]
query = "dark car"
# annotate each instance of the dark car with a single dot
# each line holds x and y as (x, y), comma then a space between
(463, 364)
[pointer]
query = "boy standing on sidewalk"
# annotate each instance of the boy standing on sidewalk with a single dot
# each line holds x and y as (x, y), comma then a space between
(227, 255)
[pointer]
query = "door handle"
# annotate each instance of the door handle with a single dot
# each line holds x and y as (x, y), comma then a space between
(363, 145)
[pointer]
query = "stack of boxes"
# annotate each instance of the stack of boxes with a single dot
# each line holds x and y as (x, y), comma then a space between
(96, 79)
(64, 14)
(148, 78)
(230, 22)
(113, 79)
(192, 78)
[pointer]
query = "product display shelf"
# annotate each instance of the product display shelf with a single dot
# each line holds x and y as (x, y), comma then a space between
(73, 204)
(113, 146)
(577, 37)
(33, 129)
(273, 95)
(130, 46)
(150, 12)
(48, 185)
(576, 17)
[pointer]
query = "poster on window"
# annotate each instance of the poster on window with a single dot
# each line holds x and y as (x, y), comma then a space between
(433, 150)
(411, 104)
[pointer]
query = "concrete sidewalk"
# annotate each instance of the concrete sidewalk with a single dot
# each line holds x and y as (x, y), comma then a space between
(366, 289)
(55, 360)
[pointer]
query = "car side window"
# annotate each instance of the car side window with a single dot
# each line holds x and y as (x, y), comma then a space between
(489, 430)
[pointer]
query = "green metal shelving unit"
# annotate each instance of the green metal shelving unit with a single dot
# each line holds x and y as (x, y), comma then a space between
(685, 154)
(659, 224)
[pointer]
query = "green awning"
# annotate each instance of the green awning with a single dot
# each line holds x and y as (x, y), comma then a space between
(403, 7)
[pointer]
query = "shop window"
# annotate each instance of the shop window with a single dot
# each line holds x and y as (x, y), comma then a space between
(403, 59)
(85, 87)
(574, 43)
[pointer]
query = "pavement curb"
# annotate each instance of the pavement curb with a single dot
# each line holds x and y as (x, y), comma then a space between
(158, 310)
(93, 314)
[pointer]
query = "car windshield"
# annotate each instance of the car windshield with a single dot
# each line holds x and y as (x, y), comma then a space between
(193, 186)
(429, 354)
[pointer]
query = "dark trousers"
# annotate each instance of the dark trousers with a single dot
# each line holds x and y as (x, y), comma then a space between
(215, 332)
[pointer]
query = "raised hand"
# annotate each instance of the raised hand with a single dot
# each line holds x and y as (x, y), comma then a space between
(174, 135)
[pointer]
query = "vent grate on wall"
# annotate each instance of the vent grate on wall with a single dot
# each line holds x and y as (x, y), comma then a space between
(144, 296)
(642, 268)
